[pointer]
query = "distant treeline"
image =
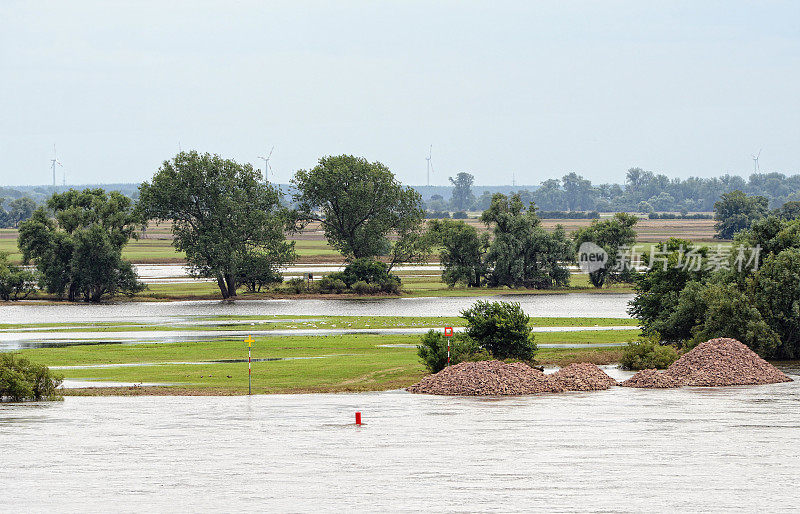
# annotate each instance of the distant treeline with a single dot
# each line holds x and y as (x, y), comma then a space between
(643, 191)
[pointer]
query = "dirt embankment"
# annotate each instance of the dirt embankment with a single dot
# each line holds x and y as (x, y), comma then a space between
(495, 378)
(717, 362)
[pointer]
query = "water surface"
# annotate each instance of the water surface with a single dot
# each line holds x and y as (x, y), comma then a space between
(692, 449)
(607, 305)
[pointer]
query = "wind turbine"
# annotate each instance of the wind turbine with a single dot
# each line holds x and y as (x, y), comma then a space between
(430, 164)
(755, 161)
(53, 163)
(267, 166)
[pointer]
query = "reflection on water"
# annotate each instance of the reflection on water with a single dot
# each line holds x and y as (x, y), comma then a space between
(716, 449)
(608, 305)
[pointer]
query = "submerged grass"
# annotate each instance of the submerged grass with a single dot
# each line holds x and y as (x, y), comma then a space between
(312, 363)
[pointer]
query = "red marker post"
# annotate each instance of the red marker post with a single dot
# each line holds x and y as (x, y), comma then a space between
(448, 333)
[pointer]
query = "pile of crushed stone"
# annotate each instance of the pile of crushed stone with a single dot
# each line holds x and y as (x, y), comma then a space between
(651, 379)
(583, 377)
(486, 378)
(717, 362)
(495, 378)
(724, 362)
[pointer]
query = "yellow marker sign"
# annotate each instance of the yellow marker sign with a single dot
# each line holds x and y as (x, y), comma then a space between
(249, 341)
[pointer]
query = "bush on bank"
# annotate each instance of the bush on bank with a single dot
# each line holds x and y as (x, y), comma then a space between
(22, 380)
(432, 350)
(495, 330)
(647, 353)
(362, 276)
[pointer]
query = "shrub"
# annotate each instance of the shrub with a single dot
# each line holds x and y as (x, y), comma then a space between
(22, 380)
(437, 215)
(501, 328)
(364, 269)
(297, 285)
(362, 287)
(367, 276)
(329, 284)
(15, 283)
(432, 350)
(647, 353)
(391, 285)
(258, 270)
(460, 215)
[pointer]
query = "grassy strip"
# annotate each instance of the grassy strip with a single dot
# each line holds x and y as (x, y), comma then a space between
(338, 363)
(321, 376)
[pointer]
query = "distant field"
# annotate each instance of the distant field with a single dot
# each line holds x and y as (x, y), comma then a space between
(154, 245)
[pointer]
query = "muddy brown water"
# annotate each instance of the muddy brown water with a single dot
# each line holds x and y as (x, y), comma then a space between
(620, 450)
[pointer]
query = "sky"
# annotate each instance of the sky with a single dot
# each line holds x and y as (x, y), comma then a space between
(533, 89)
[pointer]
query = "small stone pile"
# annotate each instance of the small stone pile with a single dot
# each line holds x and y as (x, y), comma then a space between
(583, 376)
(487, 378)
(717, 362)
(651, 379)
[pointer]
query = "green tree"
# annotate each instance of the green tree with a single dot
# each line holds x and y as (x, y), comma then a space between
(20, 210)
(612, 235)
(500, 328)
(737, 211)
(222, 216)
(15, 283)
(78, 252)
(658, 289)
(789, 211)
(523, 253)
(462, 197)
(462, 252)
(22, 380)
(359, 204)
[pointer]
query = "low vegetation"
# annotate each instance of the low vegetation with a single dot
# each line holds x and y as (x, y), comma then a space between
(648, 353)
(22, 380)
(494, 330)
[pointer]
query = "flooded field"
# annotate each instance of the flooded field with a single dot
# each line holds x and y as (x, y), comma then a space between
(691, 449)
(16, 340)
(609, 305)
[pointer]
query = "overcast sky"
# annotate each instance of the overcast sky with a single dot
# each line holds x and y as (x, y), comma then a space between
(534, 88)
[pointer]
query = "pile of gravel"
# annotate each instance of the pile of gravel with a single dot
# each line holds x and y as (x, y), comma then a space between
(724, 362)
(651, 379)
(717, 362)
(583, 377)
(487, 378)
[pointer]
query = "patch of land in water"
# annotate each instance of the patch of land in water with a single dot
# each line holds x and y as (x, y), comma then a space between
(290, 364)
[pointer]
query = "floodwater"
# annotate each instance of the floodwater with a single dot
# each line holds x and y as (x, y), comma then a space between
(17, 339)
(607, 305)
(621, 450)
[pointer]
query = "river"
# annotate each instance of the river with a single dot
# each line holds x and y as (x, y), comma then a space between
(607, 305)
(621, 450)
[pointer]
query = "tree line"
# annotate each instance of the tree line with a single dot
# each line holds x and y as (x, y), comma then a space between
(643, 191)
(233, 228)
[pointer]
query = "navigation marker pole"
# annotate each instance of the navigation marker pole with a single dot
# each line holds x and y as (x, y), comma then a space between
(448, 333)
(249, 342)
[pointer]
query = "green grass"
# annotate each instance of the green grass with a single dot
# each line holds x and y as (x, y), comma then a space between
(338, 363)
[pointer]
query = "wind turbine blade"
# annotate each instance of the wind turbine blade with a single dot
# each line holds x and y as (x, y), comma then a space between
(270, 152)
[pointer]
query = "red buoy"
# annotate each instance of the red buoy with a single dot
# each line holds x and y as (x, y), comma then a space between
(358, 418)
